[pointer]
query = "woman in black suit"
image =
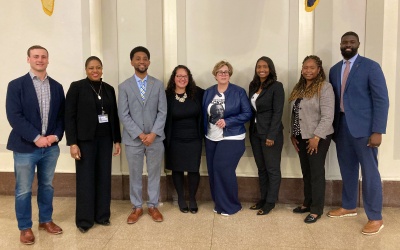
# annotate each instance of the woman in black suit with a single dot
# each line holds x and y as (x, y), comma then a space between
(91, 128)
(267, 98)
(183, 134)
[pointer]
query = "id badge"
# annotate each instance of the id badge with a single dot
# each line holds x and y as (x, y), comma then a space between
(103, 118)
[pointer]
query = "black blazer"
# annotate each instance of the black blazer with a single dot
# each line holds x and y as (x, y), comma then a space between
(269, 106)
(168, 124)
(81, 113)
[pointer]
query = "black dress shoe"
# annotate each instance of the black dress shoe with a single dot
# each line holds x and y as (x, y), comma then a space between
(266, 209)
(83, 229)
(193, 210)
(258, 205)
(184, 209)
(310, 219)
(104, 223)
(193, 206)
(299, 210)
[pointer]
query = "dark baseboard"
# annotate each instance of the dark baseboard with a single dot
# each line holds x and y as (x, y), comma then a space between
(291, 191)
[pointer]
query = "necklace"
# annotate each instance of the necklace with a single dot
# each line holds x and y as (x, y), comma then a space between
(98, 94)
(181, 99)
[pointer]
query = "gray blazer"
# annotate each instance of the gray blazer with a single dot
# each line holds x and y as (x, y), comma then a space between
(138, 117)
(316, 114)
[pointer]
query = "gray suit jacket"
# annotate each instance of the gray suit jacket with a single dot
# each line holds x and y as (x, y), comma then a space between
(316, 114)
(138, 117)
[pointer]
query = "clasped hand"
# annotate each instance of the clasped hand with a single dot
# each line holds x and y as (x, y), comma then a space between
(45, 141)
(147, 139)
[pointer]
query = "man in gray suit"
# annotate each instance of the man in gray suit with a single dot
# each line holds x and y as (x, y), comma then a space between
(142, 109)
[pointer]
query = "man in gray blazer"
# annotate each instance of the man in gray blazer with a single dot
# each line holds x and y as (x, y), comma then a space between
(142, 109)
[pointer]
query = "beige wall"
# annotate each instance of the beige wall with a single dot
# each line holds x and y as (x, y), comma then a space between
(198, 34)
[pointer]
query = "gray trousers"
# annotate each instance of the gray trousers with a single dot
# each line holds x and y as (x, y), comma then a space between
(135, 156)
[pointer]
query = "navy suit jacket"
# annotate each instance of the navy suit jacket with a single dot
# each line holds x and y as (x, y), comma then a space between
(365, 97)
(237, 109)
(23, 113)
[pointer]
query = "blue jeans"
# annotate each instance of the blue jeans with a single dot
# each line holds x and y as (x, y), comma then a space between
(24, 167)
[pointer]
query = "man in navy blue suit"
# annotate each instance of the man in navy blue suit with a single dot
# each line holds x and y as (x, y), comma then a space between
(35, 111)
(361, 110)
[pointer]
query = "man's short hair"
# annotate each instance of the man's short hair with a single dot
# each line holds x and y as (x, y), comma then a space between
(140, 49)
(35, 47)
(351, 33)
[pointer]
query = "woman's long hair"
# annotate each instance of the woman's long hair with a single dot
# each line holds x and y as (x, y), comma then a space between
(301, 90)
(256, 82)
(190, 88)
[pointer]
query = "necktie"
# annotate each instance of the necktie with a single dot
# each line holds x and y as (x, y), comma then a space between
(344, 80)
(142, 90)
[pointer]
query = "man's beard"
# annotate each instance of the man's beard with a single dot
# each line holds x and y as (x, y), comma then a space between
(348, 54)
(140, 70)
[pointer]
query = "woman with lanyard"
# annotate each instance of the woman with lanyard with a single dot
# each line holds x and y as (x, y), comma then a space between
(91, 128)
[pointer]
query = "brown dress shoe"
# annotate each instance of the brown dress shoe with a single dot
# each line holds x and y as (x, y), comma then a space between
(341, 212)
(155, 214)
(372, 227)
(50, 227)
(26, 237)
(134, 216)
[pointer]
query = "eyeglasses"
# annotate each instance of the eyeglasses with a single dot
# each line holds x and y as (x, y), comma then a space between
(182, 77)
(221, 73)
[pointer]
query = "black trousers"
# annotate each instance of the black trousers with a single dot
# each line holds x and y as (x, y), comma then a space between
(268, 161)
(313, 169)
(93, 181)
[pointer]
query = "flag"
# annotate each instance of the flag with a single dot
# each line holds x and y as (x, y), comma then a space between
(48, 6)
(310, 4)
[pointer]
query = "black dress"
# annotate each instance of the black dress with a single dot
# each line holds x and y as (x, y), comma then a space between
(183, 131)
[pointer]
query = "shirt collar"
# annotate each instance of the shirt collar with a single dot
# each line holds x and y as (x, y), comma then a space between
(32, 75)
(351, 60)
(140, 80)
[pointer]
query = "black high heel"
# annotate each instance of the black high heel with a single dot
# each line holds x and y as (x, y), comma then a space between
(299, 210)
(258, 205)
(266, 209)
(193, 207)
(183, 207)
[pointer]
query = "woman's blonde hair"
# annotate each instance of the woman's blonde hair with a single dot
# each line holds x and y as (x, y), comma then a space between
(221, 64)
(301, 90)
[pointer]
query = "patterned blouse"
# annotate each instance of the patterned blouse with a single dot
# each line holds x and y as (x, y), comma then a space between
(296, 124)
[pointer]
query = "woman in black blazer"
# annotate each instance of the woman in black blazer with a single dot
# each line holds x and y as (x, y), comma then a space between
(267, 98)
(91, 128)
(184, 134)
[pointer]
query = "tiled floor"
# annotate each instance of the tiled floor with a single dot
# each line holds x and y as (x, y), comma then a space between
(281, 229)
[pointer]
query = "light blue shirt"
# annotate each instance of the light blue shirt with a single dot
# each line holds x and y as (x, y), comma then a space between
(351, 60)
(140, 81)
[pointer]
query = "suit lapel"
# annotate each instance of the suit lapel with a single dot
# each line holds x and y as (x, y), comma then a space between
(149, 87)
(135, 89)
(263, 91)
(353, 71)
(32, 92)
